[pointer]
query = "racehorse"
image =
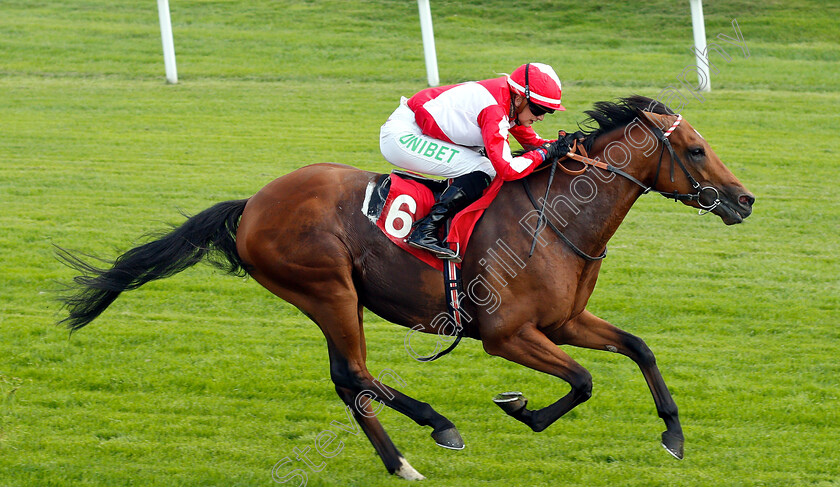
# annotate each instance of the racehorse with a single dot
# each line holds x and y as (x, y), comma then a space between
(305, 239)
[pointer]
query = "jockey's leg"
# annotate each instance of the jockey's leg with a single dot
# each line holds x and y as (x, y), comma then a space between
(404, 145)
(462, 191)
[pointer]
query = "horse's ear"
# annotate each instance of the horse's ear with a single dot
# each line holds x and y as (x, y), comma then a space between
(654, 119)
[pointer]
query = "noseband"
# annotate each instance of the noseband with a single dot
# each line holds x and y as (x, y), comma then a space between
(666, 144)
(587, 161)
(676, 196)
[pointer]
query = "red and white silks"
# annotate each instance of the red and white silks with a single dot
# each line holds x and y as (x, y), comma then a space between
(440, 130)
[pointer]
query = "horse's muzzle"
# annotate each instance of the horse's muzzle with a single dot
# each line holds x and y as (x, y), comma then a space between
(736, 205)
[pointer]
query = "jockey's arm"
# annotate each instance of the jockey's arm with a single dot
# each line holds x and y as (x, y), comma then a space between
(528, 138)
(494, 130)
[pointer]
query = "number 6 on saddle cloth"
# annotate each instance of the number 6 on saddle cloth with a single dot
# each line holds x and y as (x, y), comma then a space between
(395, 202)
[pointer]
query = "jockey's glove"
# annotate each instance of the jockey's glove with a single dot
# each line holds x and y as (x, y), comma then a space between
(557, 149)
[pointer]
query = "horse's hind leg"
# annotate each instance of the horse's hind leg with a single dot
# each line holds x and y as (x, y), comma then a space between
(348, 370)
(588, 331)
(443, 431)
(395, 463)
(338, 315)
(351, 346)
(311, 268)
(336, 310)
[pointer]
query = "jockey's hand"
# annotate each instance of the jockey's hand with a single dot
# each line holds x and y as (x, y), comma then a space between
(557, 149)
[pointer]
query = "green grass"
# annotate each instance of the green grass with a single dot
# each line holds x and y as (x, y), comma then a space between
(204, 379)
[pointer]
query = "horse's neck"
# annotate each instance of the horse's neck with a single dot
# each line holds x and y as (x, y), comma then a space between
(596, 202)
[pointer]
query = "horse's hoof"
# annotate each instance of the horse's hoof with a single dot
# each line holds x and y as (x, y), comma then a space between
(510, 402)
(673, 444)
(448, 438)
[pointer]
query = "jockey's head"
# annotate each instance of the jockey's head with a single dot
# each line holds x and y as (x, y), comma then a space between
(537, 91)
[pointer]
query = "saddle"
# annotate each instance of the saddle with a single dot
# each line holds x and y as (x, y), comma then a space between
(394, 202)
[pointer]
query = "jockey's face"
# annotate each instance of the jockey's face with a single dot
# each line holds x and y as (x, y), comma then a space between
(524, 116)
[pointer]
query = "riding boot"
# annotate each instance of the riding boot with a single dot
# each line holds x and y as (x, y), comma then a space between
(461, 193)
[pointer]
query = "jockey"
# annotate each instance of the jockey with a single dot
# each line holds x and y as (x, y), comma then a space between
(461, 132)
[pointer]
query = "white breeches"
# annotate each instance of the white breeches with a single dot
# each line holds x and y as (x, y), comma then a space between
(404, 145)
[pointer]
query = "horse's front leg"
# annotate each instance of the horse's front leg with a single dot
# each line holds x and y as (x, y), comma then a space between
(528, 346)
(588, 331)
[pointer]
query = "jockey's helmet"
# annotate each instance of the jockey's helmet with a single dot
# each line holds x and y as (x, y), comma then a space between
(539, 84)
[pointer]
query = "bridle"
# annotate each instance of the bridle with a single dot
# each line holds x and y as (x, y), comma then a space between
(676, 196)
(589, 162)
(675, 160)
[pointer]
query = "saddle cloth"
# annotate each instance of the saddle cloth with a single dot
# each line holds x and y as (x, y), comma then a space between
(394, 202)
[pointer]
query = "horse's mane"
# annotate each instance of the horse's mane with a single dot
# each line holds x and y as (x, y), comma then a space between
(607, 116)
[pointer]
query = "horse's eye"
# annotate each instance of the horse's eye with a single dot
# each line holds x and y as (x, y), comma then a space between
(697, 152)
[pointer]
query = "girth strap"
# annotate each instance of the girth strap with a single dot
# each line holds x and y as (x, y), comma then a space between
(452, 283)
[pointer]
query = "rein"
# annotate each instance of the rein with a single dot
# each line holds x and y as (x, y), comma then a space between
(666, 144)
(556, 230)
(587, 161)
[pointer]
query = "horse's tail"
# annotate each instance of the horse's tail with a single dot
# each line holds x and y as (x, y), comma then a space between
(211, 234)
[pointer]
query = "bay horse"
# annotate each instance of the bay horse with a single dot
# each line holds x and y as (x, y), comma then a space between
(304, 238)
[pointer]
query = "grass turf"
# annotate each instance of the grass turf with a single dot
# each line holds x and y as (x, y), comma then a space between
(204, 379)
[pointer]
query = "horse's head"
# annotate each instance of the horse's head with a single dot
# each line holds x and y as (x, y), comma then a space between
(690, 170)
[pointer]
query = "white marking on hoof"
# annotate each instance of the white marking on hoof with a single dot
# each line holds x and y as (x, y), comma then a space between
(407, 472)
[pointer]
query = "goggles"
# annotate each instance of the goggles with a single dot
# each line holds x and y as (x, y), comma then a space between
(538, 110)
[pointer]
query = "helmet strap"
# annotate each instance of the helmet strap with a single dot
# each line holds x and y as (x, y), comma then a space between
(514, 110)
(527, 87)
